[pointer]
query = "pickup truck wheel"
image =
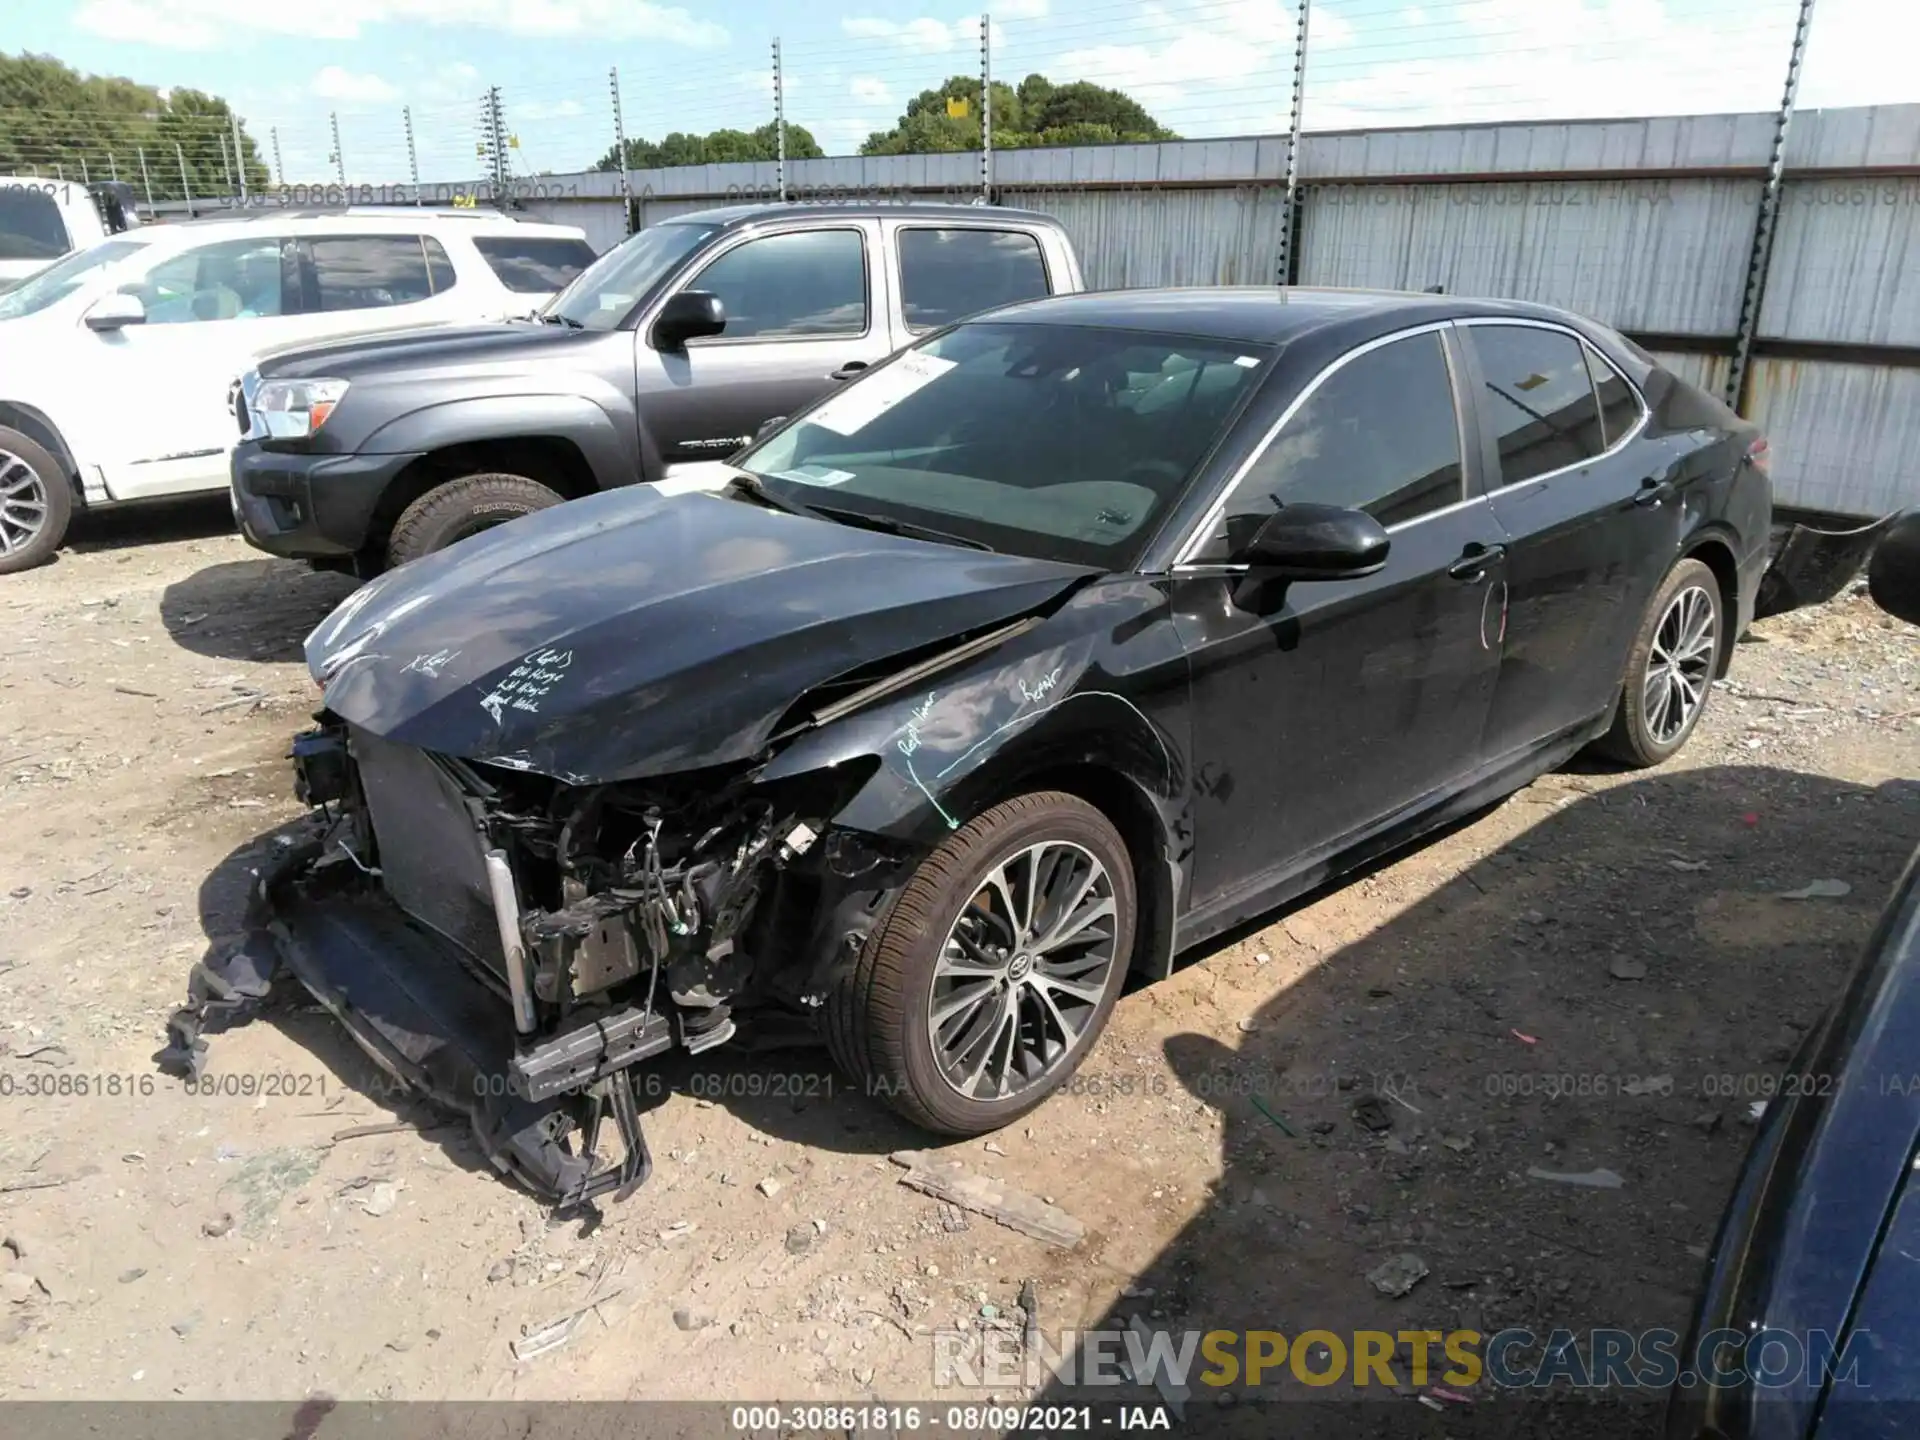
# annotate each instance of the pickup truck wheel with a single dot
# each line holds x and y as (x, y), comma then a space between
(459, 508)
(991, 978)
(36, 502)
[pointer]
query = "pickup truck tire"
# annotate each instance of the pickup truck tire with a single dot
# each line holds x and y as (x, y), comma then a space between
(464, 507)
(36, 503)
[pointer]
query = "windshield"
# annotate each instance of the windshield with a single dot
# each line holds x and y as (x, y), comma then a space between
(30, 223)
(1056, 441)
(62, 278)
(601, 295)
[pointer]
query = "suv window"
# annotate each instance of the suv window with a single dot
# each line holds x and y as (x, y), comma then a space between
(533, 265)
(30, 224)
(231, 280)
(947, 275)
(802, 284)
(1619, 406)
(1379, 434)
(1539, 398)
(372, 272)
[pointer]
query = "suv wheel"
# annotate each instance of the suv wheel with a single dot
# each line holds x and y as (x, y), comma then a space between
(994, 973)
(36, 502)
(458, 508)
(1671, 669)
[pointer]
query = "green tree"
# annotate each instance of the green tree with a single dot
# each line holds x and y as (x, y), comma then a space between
(1038, 112)
(718, 148)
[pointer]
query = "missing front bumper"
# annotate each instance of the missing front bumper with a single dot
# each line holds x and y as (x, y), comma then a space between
(429, 1022)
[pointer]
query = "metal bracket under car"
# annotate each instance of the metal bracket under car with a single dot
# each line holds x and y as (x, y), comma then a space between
(428, 1021)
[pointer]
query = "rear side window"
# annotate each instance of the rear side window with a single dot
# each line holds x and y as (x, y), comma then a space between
(1380, 434)
(531, 265)
(30, 224)
(947, 275)
(1619, 406)
(1539, 397)
(375, 272)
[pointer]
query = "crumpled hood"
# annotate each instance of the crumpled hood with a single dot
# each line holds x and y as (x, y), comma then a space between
(633, 634)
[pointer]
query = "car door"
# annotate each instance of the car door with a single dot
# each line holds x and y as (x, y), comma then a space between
(805, 309)
(1590, 518)
(1320, 709)
(209, 308)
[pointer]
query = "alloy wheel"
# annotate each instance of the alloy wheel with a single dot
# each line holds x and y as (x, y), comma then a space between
(1022, 971)
(23, 503)
(1679, 665)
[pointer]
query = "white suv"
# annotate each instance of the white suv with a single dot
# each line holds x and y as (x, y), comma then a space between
(117, 363)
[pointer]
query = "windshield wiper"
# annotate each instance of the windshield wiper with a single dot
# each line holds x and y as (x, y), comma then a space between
(748, 483)
(889, 526)
(553, 317)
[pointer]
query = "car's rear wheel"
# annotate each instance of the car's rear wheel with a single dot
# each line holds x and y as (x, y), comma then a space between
(36, 503)
(995, 971)
(455, 509)
(1671, 669)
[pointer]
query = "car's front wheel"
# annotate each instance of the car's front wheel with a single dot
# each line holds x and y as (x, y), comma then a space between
(455, 509)
(996, 969)
(1671, 669)
(36, 502)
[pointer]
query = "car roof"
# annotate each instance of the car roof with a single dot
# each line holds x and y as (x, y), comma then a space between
(733, 216)
(359, 220)
(1264, 315)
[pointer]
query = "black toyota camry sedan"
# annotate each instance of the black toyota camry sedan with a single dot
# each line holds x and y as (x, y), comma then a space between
(1048, 649)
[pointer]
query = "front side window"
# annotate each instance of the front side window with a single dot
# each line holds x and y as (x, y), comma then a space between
(795, 286)
(230, 280)
(947, 275)
(64, 276)
(534, 265)
(1379, 434)
(1539, 397)
(1064, 442)
(372, 272)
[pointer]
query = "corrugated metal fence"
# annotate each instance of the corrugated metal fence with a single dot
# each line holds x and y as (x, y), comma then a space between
(1646, 224)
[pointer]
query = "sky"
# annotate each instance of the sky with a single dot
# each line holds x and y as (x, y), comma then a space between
(1203, 67)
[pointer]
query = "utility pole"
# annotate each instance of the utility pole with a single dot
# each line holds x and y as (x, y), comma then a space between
(239, 154)
(186, 186)
(1760, 259)
(413, 156)
(279, 170)
(339, 156)
(779, 123)
(493, 141)
(986, 109)
(146, 180)
(1284, 268)
(620, 152)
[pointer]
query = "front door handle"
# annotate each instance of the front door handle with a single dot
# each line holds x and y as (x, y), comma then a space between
(1476, 561)
(848, 370)
(1653, 490)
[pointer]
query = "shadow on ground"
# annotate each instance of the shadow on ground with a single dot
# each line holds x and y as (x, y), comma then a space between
(250, 609)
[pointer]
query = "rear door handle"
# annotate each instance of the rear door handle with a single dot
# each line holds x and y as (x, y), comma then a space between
(848, 370)
(1653, 490)
(1476, 561)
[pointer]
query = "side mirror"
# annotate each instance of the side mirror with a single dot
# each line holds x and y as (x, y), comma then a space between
(1315, 542)
(116, 312)
(688, 316)
(1893, 575)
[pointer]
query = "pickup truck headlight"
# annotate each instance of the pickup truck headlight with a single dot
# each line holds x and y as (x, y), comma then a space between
(295, 409)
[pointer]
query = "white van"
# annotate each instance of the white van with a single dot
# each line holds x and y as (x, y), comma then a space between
(118, 364)
(41, 220)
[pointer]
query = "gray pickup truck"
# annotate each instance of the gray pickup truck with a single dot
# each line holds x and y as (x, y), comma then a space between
(673, 348)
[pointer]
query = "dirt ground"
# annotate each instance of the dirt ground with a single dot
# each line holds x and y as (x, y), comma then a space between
(1495, 992)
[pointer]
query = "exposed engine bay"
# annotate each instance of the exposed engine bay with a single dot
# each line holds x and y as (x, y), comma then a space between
(436, 896)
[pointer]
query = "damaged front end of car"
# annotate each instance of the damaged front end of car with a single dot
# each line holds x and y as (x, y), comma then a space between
(434, 897)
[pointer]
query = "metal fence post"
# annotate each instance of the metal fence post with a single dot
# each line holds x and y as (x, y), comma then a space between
(1285, 268)
(413, 156)
(1760, 259)
(339, 158)
(113, 168)
(620, 152)
(226, 166)
(85, 178)
(986, 108)
(186, 186)
(279, 170)
(146, 180)
(239, 154)
(779, 124)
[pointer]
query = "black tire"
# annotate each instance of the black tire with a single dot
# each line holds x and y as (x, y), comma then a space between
(455, 509)
(36, 503)
(1644, 734)
(877, 1017)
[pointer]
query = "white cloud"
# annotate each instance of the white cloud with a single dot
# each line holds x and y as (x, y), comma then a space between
(205, 24)
(535, 110)
(1016, 9)
(336, 83)
(925, 35)
(871, 90)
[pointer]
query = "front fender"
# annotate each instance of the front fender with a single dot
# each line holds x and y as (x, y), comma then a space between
(610, 450)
